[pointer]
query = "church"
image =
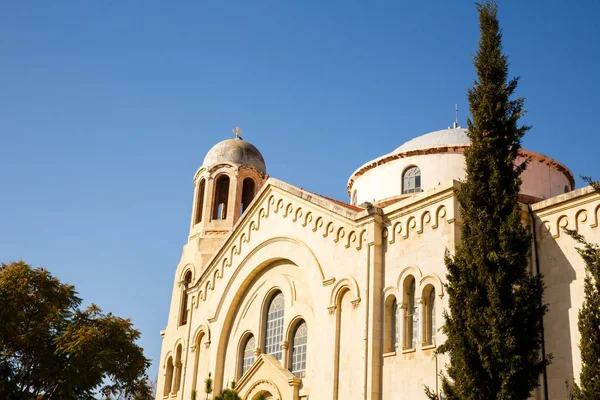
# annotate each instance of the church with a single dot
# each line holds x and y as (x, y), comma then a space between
(296, 296)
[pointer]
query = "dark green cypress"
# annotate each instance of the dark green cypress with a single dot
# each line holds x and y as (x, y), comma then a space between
(493, 326)
(589, 317)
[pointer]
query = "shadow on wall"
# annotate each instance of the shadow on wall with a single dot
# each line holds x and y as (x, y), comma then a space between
(561, 318)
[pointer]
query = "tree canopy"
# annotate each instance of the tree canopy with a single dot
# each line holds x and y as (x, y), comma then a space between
(493, 326)
(52, 349)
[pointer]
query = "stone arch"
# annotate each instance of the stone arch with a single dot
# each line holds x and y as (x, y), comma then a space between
(411, 270)
(262, 387)
(340, 287)
(391, 296)
(188, 267)
(201, 332)
(257, 261)
(434, 281)
(239, 352)
(202, 329)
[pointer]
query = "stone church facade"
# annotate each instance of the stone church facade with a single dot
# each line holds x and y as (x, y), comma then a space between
(293, 295)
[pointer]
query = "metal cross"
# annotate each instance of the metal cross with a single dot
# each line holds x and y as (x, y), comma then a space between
(237, 131)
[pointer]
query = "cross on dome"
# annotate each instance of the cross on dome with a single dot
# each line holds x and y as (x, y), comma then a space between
(237, 131)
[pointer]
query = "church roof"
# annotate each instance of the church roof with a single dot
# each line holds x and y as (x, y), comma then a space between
(443, 138)
(236, 151)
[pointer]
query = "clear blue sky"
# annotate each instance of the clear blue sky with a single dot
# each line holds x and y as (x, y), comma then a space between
(107, 109)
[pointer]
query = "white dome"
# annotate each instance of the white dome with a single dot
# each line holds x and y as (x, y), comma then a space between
(236, 151)
(439, 156)
(444, 138)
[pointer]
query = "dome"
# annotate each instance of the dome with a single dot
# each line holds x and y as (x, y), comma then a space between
(443, 138)
(236, 151)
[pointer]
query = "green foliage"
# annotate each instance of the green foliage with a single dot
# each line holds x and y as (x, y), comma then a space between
(50, 349)
(228, 394)
(589, 317)
(208, 385)
(494, 325)
(194, 395)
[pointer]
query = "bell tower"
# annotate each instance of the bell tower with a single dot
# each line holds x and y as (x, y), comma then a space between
(231, 175)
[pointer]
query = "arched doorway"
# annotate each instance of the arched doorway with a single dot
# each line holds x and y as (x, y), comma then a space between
(264, 395)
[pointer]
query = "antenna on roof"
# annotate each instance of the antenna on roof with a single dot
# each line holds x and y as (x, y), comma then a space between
(456, 121)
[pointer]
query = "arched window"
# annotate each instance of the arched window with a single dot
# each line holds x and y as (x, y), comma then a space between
(248, 354)
(299, 346)
(411, 180)
(412, 317)
(274, 326)
(354, 195)
(200, 201)
(221, 197)
(177, 371)
(248, 189)
(431, 317)
(567, 190)
(184, 299)
(168, 377)
(394, 324)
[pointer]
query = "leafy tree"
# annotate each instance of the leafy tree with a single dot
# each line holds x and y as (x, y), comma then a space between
(51, 349)
(494, 325)
(589, 317)
(208, 386)
(229, 394)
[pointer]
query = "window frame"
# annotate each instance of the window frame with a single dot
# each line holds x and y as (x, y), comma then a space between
(244, 343)
(300, 373)
(414, 188)
(266, 348)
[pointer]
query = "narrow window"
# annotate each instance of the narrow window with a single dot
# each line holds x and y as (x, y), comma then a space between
(567, 190)
(354, 195)
(248, 355)
(200, 201)
(221, 197)
(431, 319)
(168, 377)
(412, 317)
(411, 180)
(394, 324)
(298, 361)
(184, 298)
(177, 377)
(274, 326)
(248, 189)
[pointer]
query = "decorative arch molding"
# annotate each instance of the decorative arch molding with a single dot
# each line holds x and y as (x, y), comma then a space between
(170, 354)
(596, 216)
(180, 341)
(411, 270)
(188, 267)
(433, 280)
(291, 327)
(391, 291)
(261, 258)
(202, 330)
(260, 387)
(245, 273)
(340, 287)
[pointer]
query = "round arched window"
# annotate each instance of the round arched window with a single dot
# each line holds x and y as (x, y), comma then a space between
(411, 180)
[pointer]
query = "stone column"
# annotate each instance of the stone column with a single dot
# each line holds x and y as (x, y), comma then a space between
(194, 207)
(374, 316)
(422, 320)
(402, 326)
(285, 359)
(176, 377)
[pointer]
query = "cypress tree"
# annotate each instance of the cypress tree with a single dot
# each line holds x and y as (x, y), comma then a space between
(493, 326)
(589, 317)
